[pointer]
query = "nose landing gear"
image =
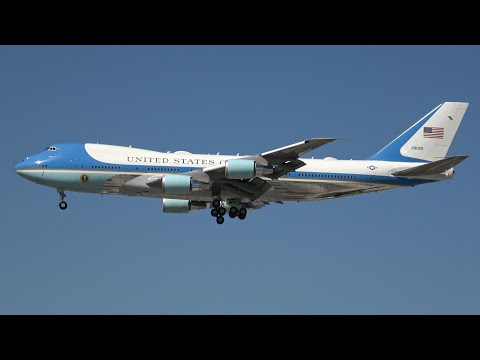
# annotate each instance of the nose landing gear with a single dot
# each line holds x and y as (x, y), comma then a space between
(63, 204)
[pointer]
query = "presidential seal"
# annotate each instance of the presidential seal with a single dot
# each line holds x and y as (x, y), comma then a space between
(84, 178)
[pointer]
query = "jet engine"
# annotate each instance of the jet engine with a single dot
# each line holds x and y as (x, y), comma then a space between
(240, 169)
(181, 184)
(179, 206)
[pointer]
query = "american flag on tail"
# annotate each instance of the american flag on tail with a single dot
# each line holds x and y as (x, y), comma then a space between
(433, 132)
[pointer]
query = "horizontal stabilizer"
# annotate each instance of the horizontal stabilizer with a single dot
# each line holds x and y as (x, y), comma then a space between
(433, 168)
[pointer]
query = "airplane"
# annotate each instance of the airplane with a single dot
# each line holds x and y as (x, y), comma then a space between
(237, 184)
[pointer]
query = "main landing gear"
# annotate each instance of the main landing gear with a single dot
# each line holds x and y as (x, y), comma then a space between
(219, 211)
(241, 213)
(63, 204)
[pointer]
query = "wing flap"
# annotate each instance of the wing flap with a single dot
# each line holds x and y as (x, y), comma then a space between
(285, 168)
(251, 189)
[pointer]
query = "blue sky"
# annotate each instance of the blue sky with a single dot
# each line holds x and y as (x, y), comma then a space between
(406, 251)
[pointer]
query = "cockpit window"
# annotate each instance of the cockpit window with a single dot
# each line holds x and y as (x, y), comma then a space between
(51, 148)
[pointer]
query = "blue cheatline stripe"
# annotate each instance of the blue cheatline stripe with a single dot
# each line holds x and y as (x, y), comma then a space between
(311, 175)
(350, 177)
(57, 178)
(391, 152)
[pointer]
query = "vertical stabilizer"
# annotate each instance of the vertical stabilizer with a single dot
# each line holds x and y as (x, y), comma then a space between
(429, 138)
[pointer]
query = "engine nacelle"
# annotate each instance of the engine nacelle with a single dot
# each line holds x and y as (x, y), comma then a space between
(176, 184)
(181, 184)
(179, 206)
(450, 173)
(240, 169)
(176, 206)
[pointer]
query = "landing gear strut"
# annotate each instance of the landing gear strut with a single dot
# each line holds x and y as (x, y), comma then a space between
(63, 204)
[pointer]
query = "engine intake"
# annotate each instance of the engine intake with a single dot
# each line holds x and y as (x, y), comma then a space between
(240, 169)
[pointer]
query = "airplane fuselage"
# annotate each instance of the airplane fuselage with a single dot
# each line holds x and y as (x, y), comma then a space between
(109, 169)
(236, 184)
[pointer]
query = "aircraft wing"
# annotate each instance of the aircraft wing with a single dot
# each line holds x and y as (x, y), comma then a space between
(251, 189)
(285, 168)
(293, 151)
(281, 160)
(277, 163)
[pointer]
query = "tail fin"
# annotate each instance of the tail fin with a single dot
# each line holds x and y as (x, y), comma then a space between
(429, 138)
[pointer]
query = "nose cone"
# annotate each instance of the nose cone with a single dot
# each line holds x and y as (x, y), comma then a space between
(22, 169)
(19, 169)
(20, 165)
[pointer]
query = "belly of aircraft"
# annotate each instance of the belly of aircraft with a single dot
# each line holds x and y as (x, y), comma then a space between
(291, 190)
(281, 190)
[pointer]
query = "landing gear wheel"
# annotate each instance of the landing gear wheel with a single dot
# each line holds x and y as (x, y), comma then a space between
(233, 212)
(242, 212)
(63, 204)
(214, 212)
(220, 220)
(222, 211)
(242, 217)
(216, 203)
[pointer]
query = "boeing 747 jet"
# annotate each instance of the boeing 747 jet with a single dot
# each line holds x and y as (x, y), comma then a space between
(237, 184)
